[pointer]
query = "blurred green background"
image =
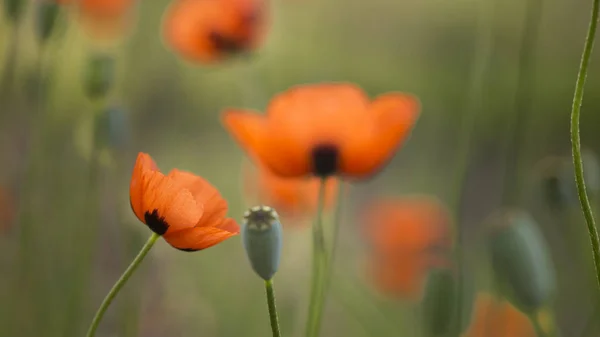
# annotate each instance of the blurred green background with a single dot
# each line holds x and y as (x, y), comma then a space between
(495, 78)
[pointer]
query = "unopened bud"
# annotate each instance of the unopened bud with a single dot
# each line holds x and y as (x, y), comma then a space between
(521, 259)
(440, 304)
(99, 76)
(46, 17)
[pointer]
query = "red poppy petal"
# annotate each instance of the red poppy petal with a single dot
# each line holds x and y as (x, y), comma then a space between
(393, 117)
(176, 205)
(197, 238)
(143, 164)
(286, 156)
(229, 225)
(215, 207)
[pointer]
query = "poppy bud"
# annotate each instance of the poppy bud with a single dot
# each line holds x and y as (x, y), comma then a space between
(13, 9)
(558, 182)
(46, 18)
(439, 304)
(100, 75)
(111, 127)
(262, 236)
(521, 259)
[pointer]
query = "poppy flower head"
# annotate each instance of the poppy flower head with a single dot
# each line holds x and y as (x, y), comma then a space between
(325, 129)
(210, 30)
(103, 19)
(185, 209)
(294, 198)
(407, 237)
(498, 318)
(420, 224)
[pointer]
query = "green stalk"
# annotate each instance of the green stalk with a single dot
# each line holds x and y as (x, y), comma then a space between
(272, 308)
(465, 143)
(120, 283)
(576, 141)
(319, 268)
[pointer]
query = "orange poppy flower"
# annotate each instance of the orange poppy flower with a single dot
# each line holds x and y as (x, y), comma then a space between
(325, 129)
(210, 30)
(408, 236)
(398, 277)
(185, 209)
(102, 18)
(498, 318)
(415, 224)
(293, 198)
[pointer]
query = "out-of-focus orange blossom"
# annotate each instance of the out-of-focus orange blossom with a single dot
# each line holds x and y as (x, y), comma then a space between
(103, 19)
(295, 199)
(498, 318)
(208, 31)
(406, 236)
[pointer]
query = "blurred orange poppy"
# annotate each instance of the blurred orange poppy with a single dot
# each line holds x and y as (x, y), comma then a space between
(294, 199)
(211, 30)
(325, 129)
(498, 318)
(407, 237)
(185, 209)
(103, 19)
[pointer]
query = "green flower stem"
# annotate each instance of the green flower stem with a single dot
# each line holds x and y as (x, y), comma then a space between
(120, 283)
(336, 228)
(319, 269)
(576, 141)
(272, 308)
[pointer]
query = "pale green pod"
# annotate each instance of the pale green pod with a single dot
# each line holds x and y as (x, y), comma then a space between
(521, 260)
(46, 17)
(262, 239)
(14, 9)
(439, 306)
(558, 180)
(99, 76)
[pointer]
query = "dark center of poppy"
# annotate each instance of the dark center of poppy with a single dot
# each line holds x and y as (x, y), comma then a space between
(156, 222)
(325, 159)
(225, 44)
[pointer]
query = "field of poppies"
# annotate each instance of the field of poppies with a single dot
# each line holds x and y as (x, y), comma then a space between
(331, 168)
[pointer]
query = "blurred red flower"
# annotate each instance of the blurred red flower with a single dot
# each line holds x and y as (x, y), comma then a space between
(212, 30)
(406, 236)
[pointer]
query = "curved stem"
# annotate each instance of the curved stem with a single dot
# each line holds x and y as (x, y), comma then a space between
(319, 267)
(120, 283)
(272, 308)
(576, 141)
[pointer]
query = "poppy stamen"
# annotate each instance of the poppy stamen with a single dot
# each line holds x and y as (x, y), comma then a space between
(325, 160)
(156, 223)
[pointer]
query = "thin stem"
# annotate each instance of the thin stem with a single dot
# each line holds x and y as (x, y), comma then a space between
(120, 283)
(272, 308)
(336, 228)
(576, 141)
(317, 298)
(465, 144)
(539, 331)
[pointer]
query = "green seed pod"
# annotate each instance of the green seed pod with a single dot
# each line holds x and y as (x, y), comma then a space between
(521, 260)
(262, 238)
(112, 128)
(14, 9)
(558, 180)
(99, 76)
(439, 304)
(46, 16)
